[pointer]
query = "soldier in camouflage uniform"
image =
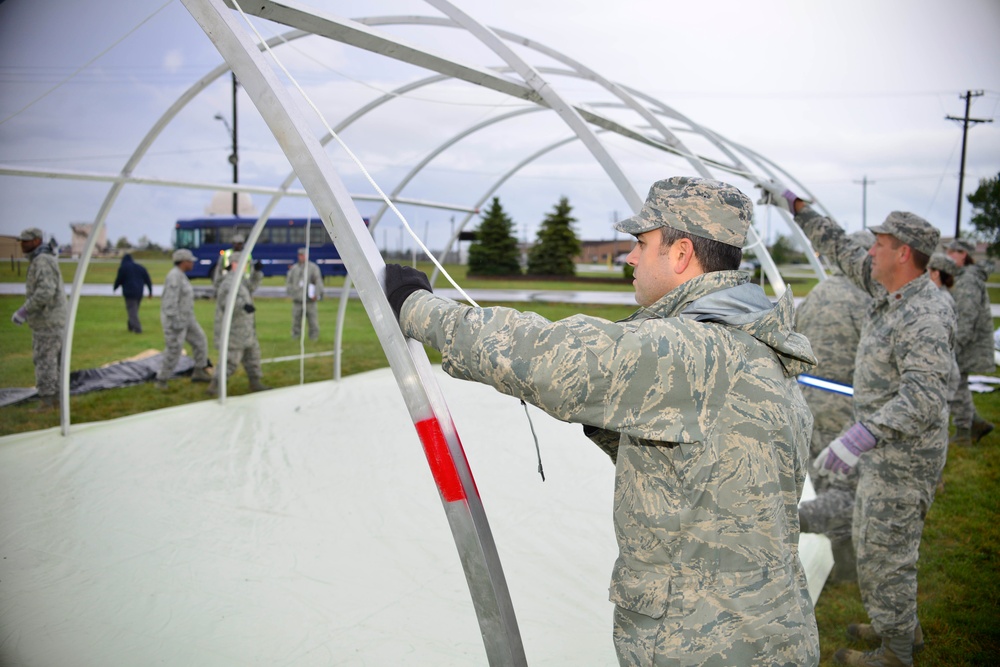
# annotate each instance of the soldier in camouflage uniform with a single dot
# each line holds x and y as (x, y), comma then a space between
(942, 271)
(44, 310)
(695, 398)
(311, 292)
(243, 345)
(179, 323)
(254, 272)
(831, 316)
(899, 439)
(974, 345)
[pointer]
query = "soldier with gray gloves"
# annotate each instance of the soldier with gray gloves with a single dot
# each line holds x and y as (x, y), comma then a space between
(304, 284)
(974, 343)
(179, 323)
(44, 310)
(695, 398)
(243, 345)
(898, 442)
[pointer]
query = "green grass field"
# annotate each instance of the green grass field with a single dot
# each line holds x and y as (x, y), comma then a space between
(959, 575)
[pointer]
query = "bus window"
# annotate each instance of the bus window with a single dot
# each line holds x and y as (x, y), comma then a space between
(187, 238)
(318, 235)
(210, 235)
(278, 234)
(297, 235)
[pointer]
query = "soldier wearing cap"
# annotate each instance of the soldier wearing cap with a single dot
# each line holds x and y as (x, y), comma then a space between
(179, 322)
(899, 439)
(695, 399)
(243, 345)
(304, 285)
(44, 310)
(974, 343)
(831, 317)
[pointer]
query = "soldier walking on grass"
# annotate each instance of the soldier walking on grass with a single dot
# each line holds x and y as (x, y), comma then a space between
(44, 310)
(695, 399)
(899, 439)
(243, 345)
(179, 322)
(304, 284)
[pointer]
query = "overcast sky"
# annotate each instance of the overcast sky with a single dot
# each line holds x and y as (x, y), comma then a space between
(832, 91)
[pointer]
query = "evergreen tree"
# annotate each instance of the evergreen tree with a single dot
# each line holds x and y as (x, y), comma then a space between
(986, 213)
(556, 244)
(494, 252)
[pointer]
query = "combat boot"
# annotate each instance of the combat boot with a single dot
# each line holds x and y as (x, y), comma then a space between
(962, 437)
(980, 429)
(863, 632)
(200, 375)
(46, 403)
(213, 387)
(880, 657)
(257, 385)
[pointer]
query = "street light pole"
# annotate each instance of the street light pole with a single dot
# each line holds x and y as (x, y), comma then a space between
(234, 157)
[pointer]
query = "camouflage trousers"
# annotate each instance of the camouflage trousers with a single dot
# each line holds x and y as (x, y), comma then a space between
(963, 411)
(312, 319)
(248, 355)
(46, 348)
(888, 524)
(173, 346)
(745, 618)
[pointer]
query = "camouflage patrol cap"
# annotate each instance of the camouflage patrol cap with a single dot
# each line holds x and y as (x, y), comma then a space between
(942, 262)
(912, 230)
(183, 255)
(31, 233)
(698, 206)
(962, 244)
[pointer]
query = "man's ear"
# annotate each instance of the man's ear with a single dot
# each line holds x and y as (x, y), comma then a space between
(683, 251)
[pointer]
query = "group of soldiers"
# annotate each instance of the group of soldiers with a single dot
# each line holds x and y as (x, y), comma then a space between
(45, 310)
(695, 399)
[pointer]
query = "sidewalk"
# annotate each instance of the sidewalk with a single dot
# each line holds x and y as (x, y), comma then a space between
(485, 295)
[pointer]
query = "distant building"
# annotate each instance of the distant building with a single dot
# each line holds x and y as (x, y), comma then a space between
(81, 232)
(10, 247)
(602, 252)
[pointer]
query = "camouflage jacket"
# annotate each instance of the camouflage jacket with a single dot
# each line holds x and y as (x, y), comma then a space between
(293, 281)
(831, 317)
(903, 364)
(974, 342)
(177, 303)
(243, 330)
(711, 455)
(45, 299)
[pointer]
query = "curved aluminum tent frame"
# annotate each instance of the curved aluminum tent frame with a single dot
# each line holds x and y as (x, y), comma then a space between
(314, 169)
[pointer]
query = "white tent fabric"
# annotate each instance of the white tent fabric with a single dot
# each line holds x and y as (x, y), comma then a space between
(300, 527)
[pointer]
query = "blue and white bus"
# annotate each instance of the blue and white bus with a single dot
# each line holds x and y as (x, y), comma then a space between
(277, 247)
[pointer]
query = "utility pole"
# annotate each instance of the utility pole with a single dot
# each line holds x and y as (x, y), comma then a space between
(864, 200)
(235, 157)
(965, 133)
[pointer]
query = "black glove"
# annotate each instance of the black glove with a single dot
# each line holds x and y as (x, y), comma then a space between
(258, 265)
(401, 282)
(249, 308)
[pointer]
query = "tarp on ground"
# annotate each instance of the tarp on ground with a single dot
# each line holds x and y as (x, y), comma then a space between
(119, 374)
(300, 526)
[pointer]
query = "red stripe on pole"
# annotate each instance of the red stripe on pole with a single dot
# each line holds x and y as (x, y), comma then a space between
(440, 459)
